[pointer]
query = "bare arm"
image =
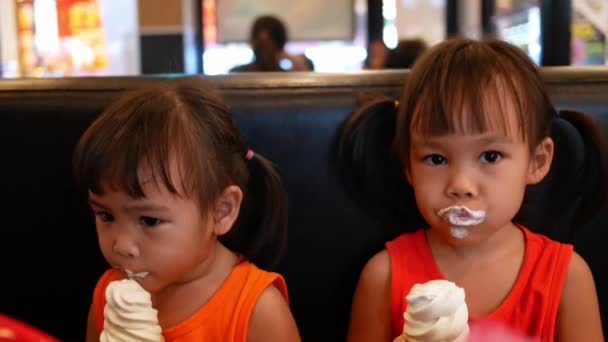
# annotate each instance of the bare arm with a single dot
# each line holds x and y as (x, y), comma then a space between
(92, 335)
(578, 316)
(271, 319)
(370, 319)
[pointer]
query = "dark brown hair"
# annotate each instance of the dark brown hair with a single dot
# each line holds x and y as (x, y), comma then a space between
(187, 122)
(272, 26)
(267, 38)
(464, 86)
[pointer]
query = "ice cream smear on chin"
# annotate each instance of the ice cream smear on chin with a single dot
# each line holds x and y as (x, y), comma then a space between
(436, 312)
(139, 275)
(132, 275)
(461, 219)
(129, 315)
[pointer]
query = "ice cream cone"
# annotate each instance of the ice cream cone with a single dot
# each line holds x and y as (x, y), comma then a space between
(436, 312)
(129, 315)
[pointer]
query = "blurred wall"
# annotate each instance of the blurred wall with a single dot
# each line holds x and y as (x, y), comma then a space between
(9, 49)
(161, 27)
(160, 15)
(469, 18)
(121, 29)
(424, 19)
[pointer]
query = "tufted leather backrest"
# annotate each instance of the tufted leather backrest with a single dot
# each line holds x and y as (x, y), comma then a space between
(49, 258)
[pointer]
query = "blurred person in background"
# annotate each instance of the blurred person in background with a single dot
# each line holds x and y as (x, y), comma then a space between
(405, 54)
(267, 38)
(376, 55)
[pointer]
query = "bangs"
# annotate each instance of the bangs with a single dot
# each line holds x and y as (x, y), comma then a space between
(136, 142)
(470, 94)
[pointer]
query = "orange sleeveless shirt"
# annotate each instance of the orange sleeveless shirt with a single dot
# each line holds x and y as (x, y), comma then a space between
(225, 317)
(529, 308)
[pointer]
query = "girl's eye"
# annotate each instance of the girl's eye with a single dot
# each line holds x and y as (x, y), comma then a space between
(435, 159)
(104, 216)
(490, 157)
(150, 221)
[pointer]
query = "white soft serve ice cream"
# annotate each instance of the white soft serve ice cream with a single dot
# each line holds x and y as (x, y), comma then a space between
(129, 315)
(436, 312)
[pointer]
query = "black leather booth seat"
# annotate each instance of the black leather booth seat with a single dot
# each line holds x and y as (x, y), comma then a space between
(49, 258)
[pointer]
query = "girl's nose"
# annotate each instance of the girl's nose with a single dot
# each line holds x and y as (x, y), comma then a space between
(461, 186)
(125, 247)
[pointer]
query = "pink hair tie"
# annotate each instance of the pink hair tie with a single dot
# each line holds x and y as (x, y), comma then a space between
(249, 154)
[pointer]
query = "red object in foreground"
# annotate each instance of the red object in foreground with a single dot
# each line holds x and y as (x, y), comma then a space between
(483, 330)
(12, 330)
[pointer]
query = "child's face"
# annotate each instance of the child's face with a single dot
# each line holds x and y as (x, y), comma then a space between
(163, 234)
(486, 173)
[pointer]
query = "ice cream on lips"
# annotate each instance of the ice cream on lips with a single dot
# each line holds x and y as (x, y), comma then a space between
(461, 219)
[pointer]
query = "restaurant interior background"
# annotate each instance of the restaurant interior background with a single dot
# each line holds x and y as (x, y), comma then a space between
(61, 38)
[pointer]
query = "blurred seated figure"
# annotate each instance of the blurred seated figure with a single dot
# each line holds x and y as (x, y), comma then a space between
(267, 38)
(376, 55)
(405, 54)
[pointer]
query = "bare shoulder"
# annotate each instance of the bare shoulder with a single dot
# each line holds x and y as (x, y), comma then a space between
(578, 311)
(377, 271)
(370, 318)
(271, 319)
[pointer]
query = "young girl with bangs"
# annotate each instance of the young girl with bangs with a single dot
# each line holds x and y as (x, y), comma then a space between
(470, 135)
(183, 207)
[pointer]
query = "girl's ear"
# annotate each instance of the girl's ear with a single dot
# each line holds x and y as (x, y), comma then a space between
(540, 161)
(226, 209)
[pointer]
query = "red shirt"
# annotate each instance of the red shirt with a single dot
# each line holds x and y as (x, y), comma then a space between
(225, 317)
(531, 305)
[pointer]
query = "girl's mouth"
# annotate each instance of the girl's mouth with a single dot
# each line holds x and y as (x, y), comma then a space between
(132, 275)
(460, 219)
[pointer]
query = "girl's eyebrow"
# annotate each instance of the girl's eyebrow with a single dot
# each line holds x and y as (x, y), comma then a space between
(145, 207)
(499, 139)
(96, 203)
(437, 143)
(133, 207)
(428, 144)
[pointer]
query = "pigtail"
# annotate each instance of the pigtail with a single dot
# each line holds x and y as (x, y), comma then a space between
(371, 173)
(260, 232)
(576, 187)
(593, 175)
